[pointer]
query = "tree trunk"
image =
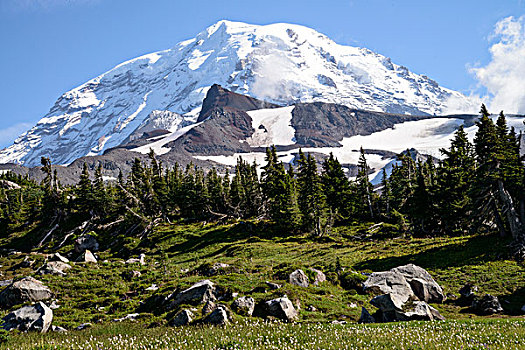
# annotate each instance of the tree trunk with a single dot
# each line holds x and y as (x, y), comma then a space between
(510, 212)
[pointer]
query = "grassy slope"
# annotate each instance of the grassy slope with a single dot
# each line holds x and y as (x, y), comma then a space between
(99, 293)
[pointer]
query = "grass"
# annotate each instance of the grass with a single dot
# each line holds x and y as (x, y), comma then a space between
(103, 292)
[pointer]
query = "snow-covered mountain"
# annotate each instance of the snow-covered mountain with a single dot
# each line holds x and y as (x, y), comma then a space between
(279, 63)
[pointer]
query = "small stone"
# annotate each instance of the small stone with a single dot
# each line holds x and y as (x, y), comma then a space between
(58, 329)
(87, 257)
(84, 326)
(219, 316)
(273, 286)
(319, 276)
(59, 257)
(128, 317)
(54, 268)
(311, 308)
(153, 287)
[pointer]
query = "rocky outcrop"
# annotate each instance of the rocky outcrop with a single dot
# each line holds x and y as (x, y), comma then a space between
(244, 306)
(86, 242)
(37, 318)
(24, 290)
(208, 307)
(299, 278)
(182, 318)
(54, 268)
(58, 257)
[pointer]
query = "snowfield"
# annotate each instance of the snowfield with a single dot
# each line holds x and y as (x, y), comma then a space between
(427, 136)
(272, 127)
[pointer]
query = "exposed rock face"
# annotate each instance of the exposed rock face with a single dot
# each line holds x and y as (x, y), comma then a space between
(199, 293)
(244, 306)
(406, 281)
(366, 317)
(24, 290)
(182, 318)
(86, 242)
(219, 316)
(487, 305)
(319, 276)
(281, 308)
(54, 268)
(299, 278)
(217, 97)
(37, 317)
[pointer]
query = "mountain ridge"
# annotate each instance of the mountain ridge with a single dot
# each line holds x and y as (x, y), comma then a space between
(279, 63)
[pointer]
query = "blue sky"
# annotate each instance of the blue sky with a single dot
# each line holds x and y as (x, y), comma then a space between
(51, 46)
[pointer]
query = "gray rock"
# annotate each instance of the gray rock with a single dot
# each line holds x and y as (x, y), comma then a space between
(219, 316)
(83, 326)
(366, 317)
(319, 276)
(389, 302)
(128, 317)
(139, 260)
(208, 307)
(182, 318)
(468, 291)
(27, 262)
(487, 305)
(87, 257)
(420, 311)
(281, 308)
(54, 268)
(58, 329)
(408, 280)
(299, 278)
(215, 269)
(59, 257)
(86, 242)
(24, 290)
(273, 286)
(523, 308)
(37, 317)
(197, 294)
(244, 306)
(311, 308)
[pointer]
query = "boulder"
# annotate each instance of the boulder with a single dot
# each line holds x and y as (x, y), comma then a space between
(408, 280)
(197, 294)
(87, 257)
(54, 268)
(208, 307)
(391, 309)
(24, 290)
(182, 318)
(468, 291)
(420, 311)
(58, 257)
(219, 316)
(244, 306)
(366, 317)
(319, 276)
(487, 305)
(299, 278)
(37, 317)
(281, 308)
(86, 242)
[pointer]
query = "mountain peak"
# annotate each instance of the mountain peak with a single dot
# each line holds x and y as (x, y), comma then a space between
(279, 63)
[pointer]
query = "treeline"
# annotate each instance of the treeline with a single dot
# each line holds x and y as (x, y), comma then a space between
(474, 186)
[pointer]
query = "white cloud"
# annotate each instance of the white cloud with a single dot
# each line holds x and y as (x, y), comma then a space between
(504, 76)
(9, 134)
(33, 5)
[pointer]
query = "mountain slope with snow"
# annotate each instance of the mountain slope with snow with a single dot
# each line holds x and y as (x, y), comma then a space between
(279, 63)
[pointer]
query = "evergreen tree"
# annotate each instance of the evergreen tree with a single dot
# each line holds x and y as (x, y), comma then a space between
(336, 188)
(365, 189)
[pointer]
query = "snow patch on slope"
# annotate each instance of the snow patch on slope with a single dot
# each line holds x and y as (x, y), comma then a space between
(158, 144)
(272, 127)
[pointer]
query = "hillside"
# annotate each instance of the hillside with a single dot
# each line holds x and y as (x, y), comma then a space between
(100, 293)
